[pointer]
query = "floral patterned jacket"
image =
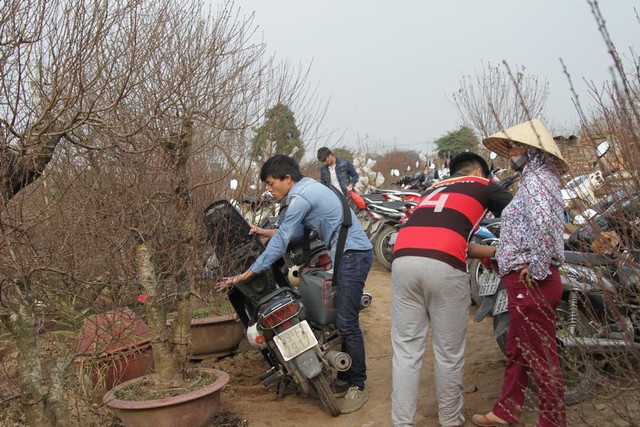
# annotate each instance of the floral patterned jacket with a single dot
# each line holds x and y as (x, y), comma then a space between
(533, 223)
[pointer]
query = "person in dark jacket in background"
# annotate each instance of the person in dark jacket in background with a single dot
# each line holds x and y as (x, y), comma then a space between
(337, 172)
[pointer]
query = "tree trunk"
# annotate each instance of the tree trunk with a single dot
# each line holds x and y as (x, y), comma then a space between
(22, 326)
(166, 366)
(179, 153)
(19, 169)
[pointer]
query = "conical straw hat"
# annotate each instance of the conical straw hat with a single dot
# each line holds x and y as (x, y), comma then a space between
(532, 133)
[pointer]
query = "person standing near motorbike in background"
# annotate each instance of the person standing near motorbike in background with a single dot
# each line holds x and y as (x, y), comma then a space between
(314, 206)
(337, 172)
(530, 250)
(430, 286)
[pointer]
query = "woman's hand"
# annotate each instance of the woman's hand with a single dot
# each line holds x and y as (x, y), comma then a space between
(525, 275)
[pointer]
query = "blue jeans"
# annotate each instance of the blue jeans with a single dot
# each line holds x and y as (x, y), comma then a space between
(354, 268)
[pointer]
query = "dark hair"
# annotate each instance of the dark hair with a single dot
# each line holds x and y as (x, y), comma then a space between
(279, 166)
(466, 159)
(323, 153)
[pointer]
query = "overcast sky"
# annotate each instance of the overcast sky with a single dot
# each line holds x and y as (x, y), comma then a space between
(388, 68)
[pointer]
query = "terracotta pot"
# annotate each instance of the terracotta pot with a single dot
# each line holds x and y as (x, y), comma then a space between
(114, 368)
(116, 347)
(113, 331)
(193, 409)
(214, 336)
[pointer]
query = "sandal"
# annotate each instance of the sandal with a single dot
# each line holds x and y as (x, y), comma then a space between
(489, 420)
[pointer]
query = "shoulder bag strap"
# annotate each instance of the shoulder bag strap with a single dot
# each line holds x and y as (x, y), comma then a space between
(342, 236)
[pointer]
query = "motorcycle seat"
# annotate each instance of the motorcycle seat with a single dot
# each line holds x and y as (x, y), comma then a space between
(389, 206)
(278, 291)
(490, 221)
(586, 258)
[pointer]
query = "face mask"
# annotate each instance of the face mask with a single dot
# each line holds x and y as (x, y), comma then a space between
(517, 162)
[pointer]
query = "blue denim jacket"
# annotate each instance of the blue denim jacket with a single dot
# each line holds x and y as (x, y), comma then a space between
(314, 206)
(345, 172)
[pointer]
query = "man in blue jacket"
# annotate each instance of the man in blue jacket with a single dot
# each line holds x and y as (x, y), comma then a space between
(337, 172)
(316, 207)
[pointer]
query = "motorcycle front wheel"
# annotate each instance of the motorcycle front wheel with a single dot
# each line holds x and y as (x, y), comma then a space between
(578, 369)
(322, 384)
(476, 270)
(382, 248)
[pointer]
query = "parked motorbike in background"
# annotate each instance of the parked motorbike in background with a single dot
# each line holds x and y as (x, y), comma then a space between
(290, 322)
(384, 211)
(418, 182)
(599, 314)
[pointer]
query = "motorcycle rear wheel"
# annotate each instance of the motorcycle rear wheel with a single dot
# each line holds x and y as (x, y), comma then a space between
(381, 247)
(322, 384)
(578, 369)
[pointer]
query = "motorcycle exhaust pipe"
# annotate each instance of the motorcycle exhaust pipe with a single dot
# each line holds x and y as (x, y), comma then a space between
(339, 360)
(596, 344)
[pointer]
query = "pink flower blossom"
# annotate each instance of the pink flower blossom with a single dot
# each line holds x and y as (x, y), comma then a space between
(142, 298)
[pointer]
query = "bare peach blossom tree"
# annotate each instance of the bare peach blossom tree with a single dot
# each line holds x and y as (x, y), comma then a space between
(119, 122)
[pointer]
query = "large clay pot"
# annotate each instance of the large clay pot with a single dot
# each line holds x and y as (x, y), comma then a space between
(215, 336)
(116, 347)
(115, 368)
(193, 409)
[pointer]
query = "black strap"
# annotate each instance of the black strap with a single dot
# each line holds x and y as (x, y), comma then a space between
(342, 236)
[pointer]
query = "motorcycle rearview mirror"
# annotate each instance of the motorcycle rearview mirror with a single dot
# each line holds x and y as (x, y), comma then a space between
(602, 148)
(493, 156)
(233, 184)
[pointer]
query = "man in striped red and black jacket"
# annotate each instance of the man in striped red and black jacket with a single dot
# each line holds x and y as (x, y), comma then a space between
(430, 285)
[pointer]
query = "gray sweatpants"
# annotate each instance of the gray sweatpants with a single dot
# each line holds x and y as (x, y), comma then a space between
(426, 292)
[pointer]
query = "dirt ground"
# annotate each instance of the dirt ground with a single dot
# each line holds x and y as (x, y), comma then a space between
(245, 402)
(246, 399)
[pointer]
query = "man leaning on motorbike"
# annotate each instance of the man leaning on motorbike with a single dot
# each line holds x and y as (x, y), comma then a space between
(314, 206)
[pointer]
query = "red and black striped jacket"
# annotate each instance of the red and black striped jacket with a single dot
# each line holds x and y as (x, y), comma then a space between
(444, 220)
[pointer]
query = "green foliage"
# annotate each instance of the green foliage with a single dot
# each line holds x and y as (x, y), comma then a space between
(69, 316)
(463, 139)
(280, 129)
(202, 312)
(343, 153)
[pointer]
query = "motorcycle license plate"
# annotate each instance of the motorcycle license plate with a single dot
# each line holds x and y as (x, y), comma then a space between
(488, 284)
(392, 239)
(295, 340)
(502, 302)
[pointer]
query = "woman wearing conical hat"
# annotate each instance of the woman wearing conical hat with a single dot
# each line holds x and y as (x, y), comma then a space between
(531, 248)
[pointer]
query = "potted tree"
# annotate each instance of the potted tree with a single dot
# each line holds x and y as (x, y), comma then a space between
(174, 395)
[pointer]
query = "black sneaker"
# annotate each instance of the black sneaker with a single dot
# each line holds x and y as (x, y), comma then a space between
(339, 388)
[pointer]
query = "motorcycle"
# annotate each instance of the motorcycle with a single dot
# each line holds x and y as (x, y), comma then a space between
(385, 209)
(292, 324)
(488, 231)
